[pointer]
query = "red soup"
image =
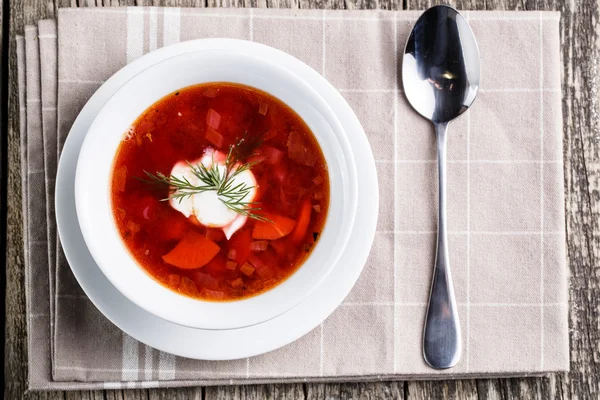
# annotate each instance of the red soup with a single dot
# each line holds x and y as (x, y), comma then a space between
(219, 191)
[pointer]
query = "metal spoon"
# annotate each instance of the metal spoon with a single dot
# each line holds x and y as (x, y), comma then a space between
(440, 74)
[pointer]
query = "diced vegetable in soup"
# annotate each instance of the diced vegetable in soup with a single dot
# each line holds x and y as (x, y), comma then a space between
(219, 191)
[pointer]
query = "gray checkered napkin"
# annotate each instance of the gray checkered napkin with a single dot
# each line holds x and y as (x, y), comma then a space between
(506, 212)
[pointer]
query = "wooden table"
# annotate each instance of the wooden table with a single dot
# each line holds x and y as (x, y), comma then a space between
(580, 44)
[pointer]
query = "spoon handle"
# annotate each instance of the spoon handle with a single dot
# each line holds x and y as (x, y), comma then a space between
(441, 338)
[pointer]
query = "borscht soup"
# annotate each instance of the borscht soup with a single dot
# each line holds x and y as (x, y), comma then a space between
(219, 191)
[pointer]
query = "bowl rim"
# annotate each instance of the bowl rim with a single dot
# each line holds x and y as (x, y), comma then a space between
(187, 305)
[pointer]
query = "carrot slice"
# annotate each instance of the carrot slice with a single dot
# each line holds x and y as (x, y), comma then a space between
(303, 221)
(247, 269)
(276, 228)
(231, 265)
(193, 251)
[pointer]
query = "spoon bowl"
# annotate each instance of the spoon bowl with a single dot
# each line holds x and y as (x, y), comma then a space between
(440, 69)
(440, 75)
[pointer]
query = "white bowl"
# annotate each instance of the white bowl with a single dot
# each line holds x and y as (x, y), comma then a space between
(94, 209)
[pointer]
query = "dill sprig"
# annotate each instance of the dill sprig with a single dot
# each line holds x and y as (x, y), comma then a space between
(232, 195)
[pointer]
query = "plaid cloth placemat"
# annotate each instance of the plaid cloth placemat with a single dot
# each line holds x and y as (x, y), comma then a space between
(506, 217)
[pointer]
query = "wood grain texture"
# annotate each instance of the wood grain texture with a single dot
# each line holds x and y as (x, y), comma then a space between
(256, 392)
(172, 394)
(580, 51)
(580, 45)
(364, 391)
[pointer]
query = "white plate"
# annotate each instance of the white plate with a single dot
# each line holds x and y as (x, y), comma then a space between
(233, 343)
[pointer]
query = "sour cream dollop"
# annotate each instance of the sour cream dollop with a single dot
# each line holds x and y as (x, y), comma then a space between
(206, 206)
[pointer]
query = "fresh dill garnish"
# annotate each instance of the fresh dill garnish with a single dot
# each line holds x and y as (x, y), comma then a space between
(245, 146)
(232, 195)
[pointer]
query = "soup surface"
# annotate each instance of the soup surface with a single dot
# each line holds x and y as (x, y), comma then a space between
(219, 191)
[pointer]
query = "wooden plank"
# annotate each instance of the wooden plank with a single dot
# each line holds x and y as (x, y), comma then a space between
(489, 389)
(127, 394)
(3, 162)
(363, 391)
(255, 392)
(84, 395)
(173, 394)
(580, 50)
(465, 389)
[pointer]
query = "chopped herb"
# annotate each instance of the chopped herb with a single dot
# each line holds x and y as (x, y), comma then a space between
(230, 194)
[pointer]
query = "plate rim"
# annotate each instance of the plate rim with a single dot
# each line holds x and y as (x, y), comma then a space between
(308, 314)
